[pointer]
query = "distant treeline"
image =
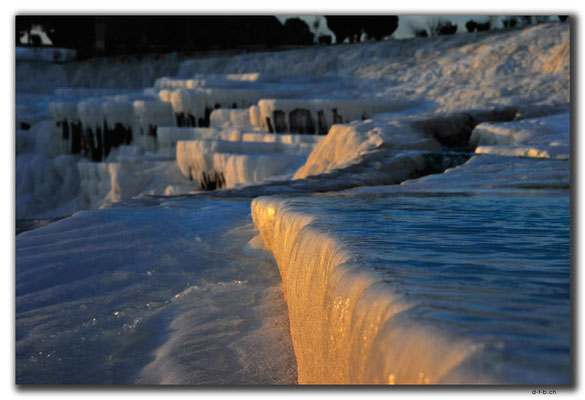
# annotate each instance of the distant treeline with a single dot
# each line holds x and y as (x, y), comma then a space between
(105, 35)
(111, 35)
(95, 35)
(438, 27)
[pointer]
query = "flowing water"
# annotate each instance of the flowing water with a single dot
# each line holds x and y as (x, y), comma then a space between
(494, 269)
(156, 293)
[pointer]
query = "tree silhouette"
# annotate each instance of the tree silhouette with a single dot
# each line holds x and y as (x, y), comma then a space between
(482, 27)
(325, 39)
(296, 31)
(421, 33)
(344, 27)
(35, 39)
(378, 27)
(510, 22)
(437, 27)
(446, 28)
(353, 26)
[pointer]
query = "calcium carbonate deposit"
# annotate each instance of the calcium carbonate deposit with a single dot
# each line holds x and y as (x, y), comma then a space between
(391, 212)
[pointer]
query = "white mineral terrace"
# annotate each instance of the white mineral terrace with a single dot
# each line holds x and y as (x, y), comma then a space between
(341, 315)
(202, 179)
